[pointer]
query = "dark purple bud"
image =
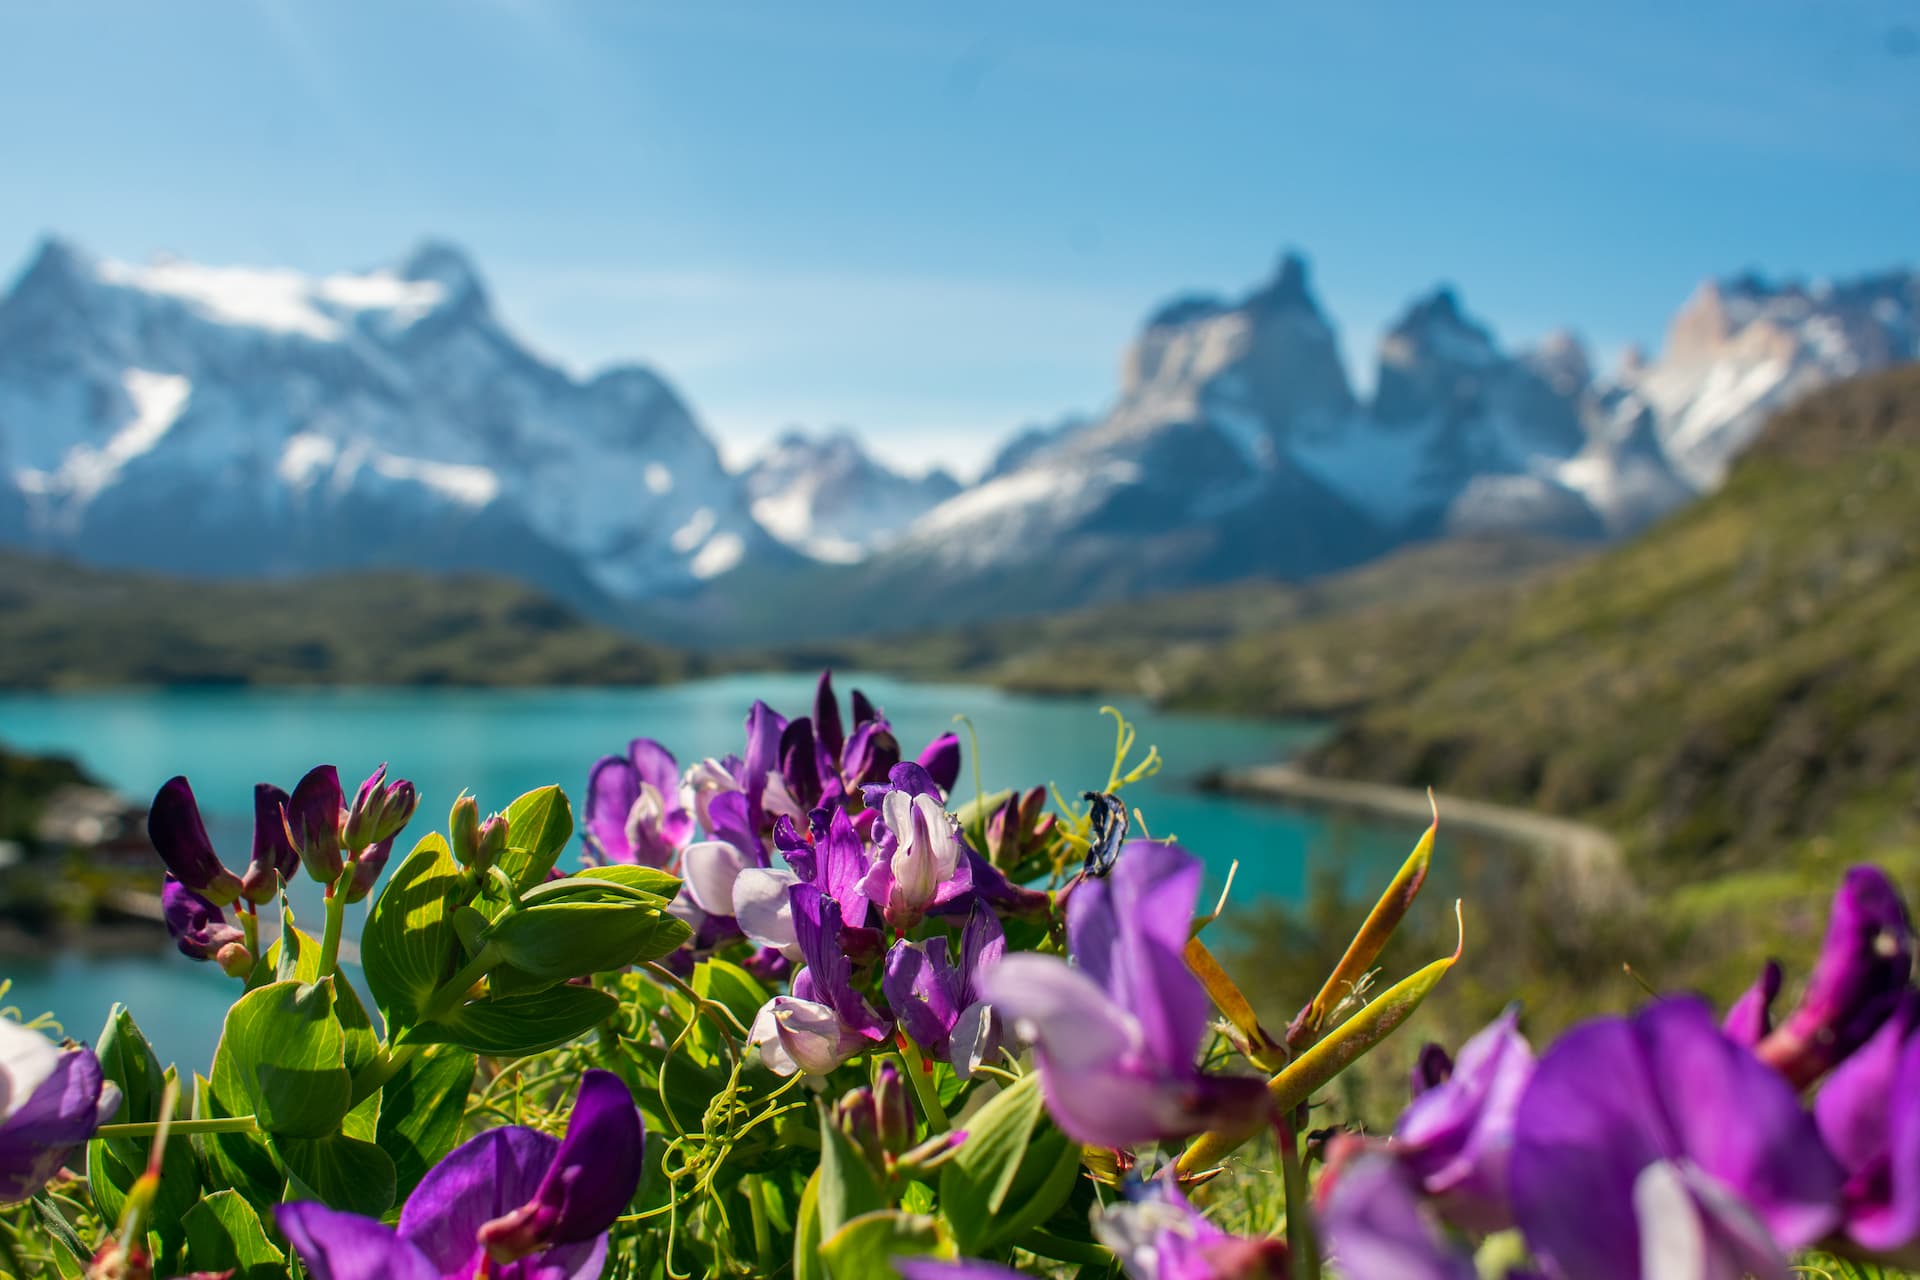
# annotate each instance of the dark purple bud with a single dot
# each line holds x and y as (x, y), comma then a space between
(379, 810)
(274, 859)
(871, 754)
(198, 926)
(941, 760)
(1865, 964)
(593, 1175)
(1431, 1069)
(769, 964)
(864, 710)
(1751, 1018)
(799, 764)
(367, 869)
(858, 1116)
(493, 841)
(180, 838)
(313, 822)
(827, 729)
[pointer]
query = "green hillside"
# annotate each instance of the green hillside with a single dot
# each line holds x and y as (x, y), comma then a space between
(65, 626)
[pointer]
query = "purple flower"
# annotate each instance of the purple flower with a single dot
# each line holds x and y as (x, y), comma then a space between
(634, 813)
(367, 868)
(1376, 1228)
(1158, 1235)
(1117, 1032)
(1750, 1019)
(834, 860)
(1457, 1135)
(180, 838)
(922, 861)
(274, 858)
(1864, 967)
(519, 1203)
(198, 927)
(379, 810)
(1658, 1138)
(1868, 1112)
(1431, 1068)
(51, 1101)
(941, 760)
(959, 1269)
(938, 1002)
(313, 822)
(826, 1021)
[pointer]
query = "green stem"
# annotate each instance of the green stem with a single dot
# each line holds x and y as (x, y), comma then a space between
(454, 989)
(250, 927)
(924, 1090)
(1301, 1246)
(336, 916)
(216, 1124)
(1047, 1245)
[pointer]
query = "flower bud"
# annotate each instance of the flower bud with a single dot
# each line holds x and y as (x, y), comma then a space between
(199, 928)
(180, 838)
(313, 822)
(858, 1116)
(379, 810)
(894, 1112)
(367, 868)
(463, 829)
(274, 858)
(493, 841)
(234, 960)
(112, 1262)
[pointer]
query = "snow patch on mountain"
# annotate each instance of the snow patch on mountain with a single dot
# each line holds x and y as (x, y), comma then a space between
(825, 496)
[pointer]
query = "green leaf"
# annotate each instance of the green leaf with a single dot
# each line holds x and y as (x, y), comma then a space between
(848, 1185)
(237, 1160)
(306, 966)
(865, 1248)
(111, 1174)
(287, 966)
(567, 939)
(282, 1057)
(513, 1026)
(806, 1233)
(343, 1172)
(661, 884)
(128, 1060)
(539, 824)
(224, 1234)
(421, 1109)
(408, 948)
(730, 985)
(1013, 1171)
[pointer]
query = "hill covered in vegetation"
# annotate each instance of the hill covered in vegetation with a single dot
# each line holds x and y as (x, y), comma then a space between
(66, 626)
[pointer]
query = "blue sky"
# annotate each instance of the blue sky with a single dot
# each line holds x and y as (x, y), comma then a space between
(939, 221)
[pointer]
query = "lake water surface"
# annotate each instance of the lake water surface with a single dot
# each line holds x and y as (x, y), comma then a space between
(499, 743)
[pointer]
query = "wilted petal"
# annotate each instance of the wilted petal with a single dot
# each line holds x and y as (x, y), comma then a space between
(1376, 1229)
(346, 1246)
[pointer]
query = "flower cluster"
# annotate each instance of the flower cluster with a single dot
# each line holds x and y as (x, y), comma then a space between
(1668, 1142)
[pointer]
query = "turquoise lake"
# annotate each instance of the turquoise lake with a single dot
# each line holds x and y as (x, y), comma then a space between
(499, 743)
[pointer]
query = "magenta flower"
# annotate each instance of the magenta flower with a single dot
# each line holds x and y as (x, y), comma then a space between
(1750, 1020)
(1865, 966)
(938, 1002)
(1457, 1135)
(379, 810)
(1376, 1227)
(1158, 1235)
(180, 838)
(51, 1101)
(634, 810)
(1658, 1138)
(1117, 1032)
(921, 862)
(826, 1021)
(199, 929)
(513, 1201)
(1868, 1112)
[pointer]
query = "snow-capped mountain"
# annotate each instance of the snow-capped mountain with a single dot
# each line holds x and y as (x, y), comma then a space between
(824, 496)
(243, 420)
(1237, 445)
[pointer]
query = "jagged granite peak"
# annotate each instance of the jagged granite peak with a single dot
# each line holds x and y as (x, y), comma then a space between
(256, 419)
(825, 496)
(1743, 347)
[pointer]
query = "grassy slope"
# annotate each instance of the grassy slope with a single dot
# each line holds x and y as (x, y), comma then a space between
(65, 626)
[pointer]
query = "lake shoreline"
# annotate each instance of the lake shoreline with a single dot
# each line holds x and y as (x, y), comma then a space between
(1585, 848)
